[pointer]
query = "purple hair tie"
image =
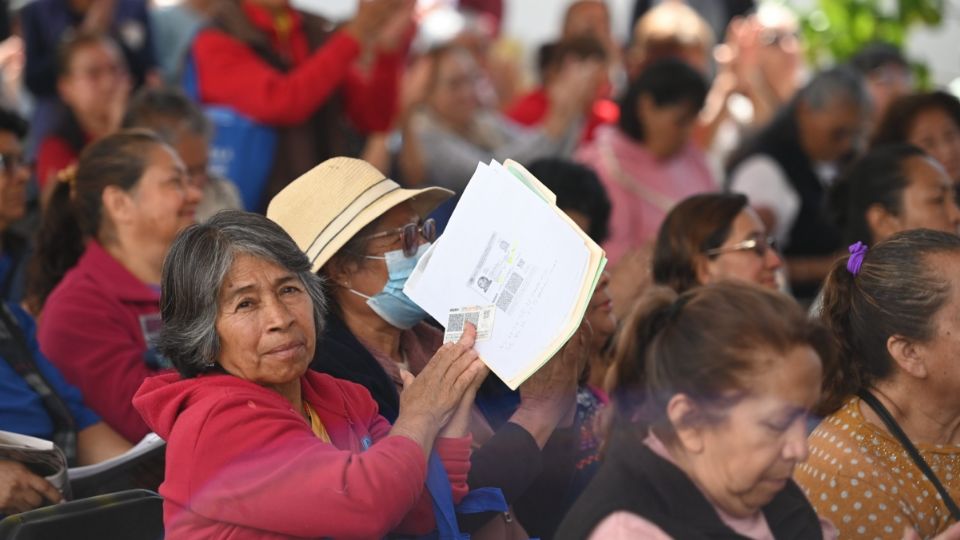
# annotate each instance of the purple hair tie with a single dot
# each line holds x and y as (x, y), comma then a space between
(857, 252)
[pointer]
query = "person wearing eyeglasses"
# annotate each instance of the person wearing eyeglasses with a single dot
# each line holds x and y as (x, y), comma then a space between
(787, 167)
(364, 234)
(14, 176)
(94, 84)
(714, 237)
(95, 276)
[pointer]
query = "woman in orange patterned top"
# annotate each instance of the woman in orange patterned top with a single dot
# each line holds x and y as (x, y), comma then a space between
(886, 461)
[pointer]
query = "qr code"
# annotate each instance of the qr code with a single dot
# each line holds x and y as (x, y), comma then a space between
(455, 323)
(506, 298)
(514, 282)
(458, 320)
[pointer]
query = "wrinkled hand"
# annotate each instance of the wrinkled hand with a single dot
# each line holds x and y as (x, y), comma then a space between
(548, 398)
(555, 384)
(439, 389)
(372, 16)
(459, 424)
(575, 87)
(21, 490)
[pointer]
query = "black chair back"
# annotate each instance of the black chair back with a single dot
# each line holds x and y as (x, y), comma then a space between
(136, 514)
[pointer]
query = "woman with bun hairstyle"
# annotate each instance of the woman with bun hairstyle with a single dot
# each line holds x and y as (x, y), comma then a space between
(713, 392)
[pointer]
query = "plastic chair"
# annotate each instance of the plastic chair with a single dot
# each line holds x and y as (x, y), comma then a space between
(136, 514)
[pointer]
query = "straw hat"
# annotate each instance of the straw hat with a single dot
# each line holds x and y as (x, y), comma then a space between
(330, 203)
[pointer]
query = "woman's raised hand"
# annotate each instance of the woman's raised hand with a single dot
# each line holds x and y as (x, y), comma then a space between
(549, 396)
(430, 399)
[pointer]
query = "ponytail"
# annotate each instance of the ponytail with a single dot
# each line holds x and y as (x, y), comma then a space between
(627, 375)
(59, 244)
(845, 376)
(894, 293)
(74, 213)
(703, 344)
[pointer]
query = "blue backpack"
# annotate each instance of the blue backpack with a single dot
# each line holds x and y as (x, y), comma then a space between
(241, 149)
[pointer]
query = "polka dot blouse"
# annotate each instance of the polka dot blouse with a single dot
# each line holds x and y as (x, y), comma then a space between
(861, 479)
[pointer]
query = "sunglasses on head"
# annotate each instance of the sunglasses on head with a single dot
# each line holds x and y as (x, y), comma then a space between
(756, 245)
(408, 235)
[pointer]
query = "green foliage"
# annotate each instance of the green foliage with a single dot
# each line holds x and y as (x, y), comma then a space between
(836, 29)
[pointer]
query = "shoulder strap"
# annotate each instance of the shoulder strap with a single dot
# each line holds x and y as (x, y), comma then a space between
(634, 185)
(901, 437)
(15, 350)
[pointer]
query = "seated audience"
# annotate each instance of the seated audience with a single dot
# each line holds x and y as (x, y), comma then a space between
(456, 131)
(929, 120)
(45, 23)
(893, 188)
(376, 334)
(890, 439)
(283, 68)
(15, 246)
(96, 271)
(182, 125)
(786, 167)
(94, 86)
(713, 392)
(714, 237)
(297, 453)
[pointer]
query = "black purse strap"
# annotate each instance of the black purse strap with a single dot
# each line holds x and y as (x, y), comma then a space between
(921, 463)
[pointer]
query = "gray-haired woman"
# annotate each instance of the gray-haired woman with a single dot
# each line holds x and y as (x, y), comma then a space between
(296, 453)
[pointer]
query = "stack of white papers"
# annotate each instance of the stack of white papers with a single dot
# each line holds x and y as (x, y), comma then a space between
(509, 247)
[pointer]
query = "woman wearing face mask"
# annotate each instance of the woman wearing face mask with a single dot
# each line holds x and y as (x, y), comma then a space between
(364, 234)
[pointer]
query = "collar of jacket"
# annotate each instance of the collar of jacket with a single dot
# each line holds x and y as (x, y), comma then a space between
(112, 276)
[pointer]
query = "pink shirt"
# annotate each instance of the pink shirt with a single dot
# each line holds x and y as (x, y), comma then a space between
(642, 189)
(624, 525)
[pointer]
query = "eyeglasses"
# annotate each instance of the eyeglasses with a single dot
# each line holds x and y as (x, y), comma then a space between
(408, 235)
(756, 245)
(10, 162)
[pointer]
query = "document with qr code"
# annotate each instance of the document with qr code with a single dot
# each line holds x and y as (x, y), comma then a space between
(509, 252)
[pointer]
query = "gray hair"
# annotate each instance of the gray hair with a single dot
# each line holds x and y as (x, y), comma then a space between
(195, 269)
(839, 83)
(168, 112)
